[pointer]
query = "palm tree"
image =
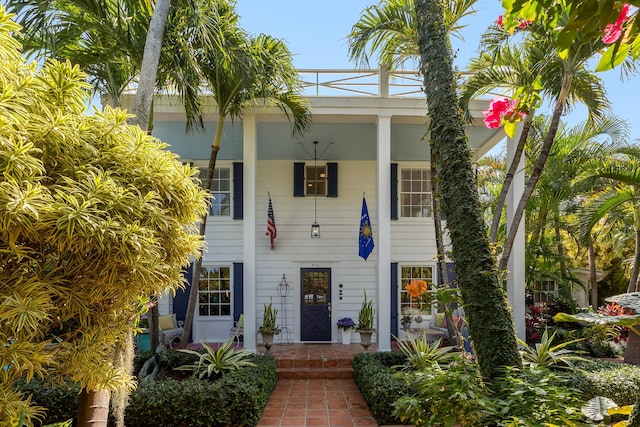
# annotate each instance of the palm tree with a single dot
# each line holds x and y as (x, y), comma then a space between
(621, 174)
(558, 81)
(485, 300)
(390, 31)
(527, 67)
(241, 72)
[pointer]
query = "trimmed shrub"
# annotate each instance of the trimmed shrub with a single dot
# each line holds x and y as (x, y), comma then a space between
(619, 382)
(236, 399)
(61, 400)
(379, 384)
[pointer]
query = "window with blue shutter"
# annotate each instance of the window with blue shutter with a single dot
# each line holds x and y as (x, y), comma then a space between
(238, 290)
(394, 298)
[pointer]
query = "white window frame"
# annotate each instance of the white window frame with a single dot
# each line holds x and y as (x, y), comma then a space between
(228, 298)
(404, 299)
(425, 190)
(219, 166)
(545, 291)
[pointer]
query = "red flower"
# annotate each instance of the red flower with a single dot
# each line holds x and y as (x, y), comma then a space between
(499, 22)
(499, 109)
(612, 32)
(524, 23)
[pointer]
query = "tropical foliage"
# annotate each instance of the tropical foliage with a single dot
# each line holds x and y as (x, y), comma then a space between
(217, 362)
(97, 216)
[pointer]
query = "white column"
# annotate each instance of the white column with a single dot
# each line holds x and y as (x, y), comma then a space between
(383, 241)
(516, 264)
(249, 229)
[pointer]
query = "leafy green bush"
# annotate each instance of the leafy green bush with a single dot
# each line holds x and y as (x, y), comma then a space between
(379, 384)
(174, 358)
(61, 400)
(602, 341)
(617, 381)
(236, 399)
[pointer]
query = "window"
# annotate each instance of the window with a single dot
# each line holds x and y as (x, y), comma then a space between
(409, 304)
(316, 180)
(545, 291)
(214, 295)
(415, 193)
(220, 190)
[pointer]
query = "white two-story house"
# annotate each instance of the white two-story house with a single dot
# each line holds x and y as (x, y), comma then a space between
(372, 143)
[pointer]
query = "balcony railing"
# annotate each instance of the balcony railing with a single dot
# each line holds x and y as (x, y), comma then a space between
(373, 82)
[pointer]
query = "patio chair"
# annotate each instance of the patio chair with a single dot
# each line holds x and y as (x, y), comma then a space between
(237, 330)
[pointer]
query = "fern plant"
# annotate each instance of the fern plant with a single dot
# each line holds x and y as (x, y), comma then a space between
(223, 360)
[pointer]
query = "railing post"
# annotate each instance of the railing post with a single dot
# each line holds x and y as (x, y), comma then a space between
(383, 81)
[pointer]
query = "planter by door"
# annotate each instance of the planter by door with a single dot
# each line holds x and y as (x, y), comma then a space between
(267, 341)
(346, 336)
(365, 337)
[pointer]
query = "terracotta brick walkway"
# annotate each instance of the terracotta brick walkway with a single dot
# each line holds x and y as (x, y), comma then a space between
(316, 402)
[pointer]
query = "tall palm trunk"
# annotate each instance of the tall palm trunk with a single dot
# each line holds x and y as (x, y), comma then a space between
(150, 61)
(635, 276)
(593, 283)
(442, 261)
(195, 282)
(93, 408)
(537, 171)
(517, 155)
(485, 301)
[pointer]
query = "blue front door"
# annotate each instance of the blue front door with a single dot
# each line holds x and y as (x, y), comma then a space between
(315, 322)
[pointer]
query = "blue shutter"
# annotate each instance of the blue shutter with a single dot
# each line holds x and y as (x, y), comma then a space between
(394, 191)
(238, 290)
(181, 299)
(332, 180)
(451, 272)
(298, 179)
(238, 191)
(394, 298)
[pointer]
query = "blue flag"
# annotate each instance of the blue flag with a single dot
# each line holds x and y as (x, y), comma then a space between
(366, 235)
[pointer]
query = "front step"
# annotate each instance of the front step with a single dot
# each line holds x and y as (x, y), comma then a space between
(315, 367)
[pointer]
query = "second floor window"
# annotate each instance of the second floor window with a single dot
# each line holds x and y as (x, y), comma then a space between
(221, 192)
(316, 177)
(415, 193)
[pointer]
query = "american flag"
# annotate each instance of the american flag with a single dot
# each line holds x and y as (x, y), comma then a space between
(271, 224)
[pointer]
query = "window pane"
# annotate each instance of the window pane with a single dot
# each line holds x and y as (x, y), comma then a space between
(215, 292)
(221, 192)
(415, 193)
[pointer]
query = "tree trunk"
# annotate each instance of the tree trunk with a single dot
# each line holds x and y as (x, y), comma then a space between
(493, 233)
(485, 301)
(442, 261)
(149, 67)
(93, 408)
(537, 171)
(632, 353)
(154, 327)
(195, 284)
(633, 280)
(593, 280)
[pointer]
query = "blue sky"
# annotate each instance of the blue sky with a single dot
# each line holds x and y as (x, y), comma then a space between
(316, 31)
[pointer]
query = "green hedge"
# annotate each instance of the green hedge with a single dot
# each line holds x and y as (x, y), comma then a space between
(619, 382)
(379, 384)
(237, 399)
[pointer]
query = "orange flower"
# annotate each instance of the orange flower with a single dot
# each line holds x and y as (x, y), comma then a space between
(416, 288)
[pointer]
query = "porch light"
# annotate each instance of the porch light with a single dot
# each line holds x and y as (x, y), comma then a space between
(315, 230)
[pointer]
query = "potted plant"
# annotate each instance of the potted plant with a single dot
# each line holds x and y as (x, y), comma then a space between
(365, 322)
(345, 324)
(406, 320)
(269, 328)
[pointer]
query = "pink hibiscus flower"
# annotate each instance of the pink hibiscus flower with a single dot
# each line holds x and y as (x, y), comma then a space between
(499, 108)
(612, 32)
(499, 22)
